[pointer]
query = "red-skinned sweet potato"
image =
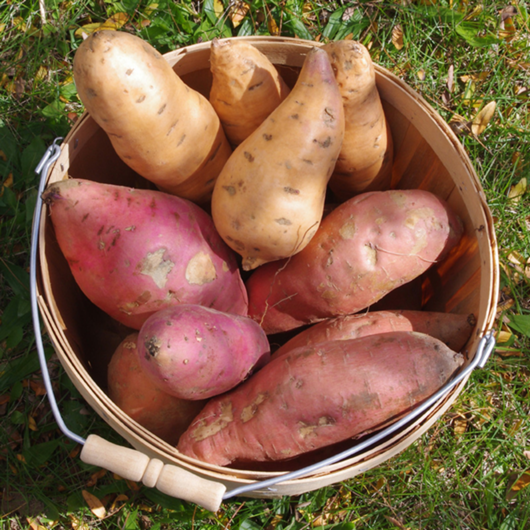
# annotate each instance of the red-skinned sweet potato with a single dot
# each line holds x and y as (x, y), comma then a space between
(314, 397)
(133, 391)
(452, 329)
(133, 252)
(365, 248)
(193, 352)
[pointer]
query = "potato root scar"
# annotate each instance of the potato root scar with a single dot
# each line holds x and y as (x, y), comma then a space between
(200, 269)
(155, 266)
(250, 410)
(202, 431)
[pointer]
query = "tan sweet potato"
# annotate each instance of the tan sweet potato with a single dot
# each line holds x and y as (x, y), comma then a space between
(452, 329)
(133, 391)
(317, 396)
(268, 200)
(159, 126)
(366, 157)
(365, 248)
(246, 87)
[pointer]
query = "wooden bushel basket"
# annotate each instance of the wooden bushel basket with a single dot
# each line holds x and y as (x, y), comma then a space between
(427, 155)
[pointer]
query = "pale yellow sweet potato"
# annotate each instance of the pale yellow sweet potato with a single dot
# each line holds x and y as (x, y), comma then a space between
(268, 200)
(159, 126)
(365, 160)
(246, 87)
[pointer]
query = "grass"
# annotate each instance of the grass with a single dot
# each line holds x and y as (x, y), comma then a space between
(471, 469)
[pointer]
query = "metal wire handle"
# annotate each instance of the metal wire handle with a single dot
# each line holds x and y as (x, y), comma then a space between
(484, 350)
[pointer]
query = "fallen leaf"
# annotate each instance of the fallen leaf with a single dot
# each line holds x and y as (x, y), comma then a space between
(95, 505)
(93, 480)
(120, 498)
(474, 77)
(421, 75)
(517, 190)
(273, 26)
(516, 483)
(503, 336)
(34, 524)
(238, 12)
(459, 125)
(38, 387)
(460, 426)
(32, 424)
(450, 78)
(507, 31)
(527, 454)
(483, 117)
(475, 12)
(397, 36)
(218, 8)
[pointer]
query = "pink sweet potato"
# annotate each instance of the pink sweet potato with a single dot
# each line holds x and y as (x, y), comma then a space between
(133, 252)
(193, 352)
(317, 396)
(365, 248)
(133, 391)
(452, 329)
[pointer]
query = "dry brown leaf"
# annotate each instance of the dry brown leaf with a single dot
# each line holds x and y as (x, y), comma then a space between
(503, 336)
(527, 454)
(115, 22)
(507, 31)
(238, 12)
(120, 498)
(38, 387)
(518, 482)
(32, 424)
(93, 480)
(421, 75)
(450, 78)
(34, 524)
(218, 8)
(483, 117)
(95, 505)
(474, 77)
(272, 26)
(397, 36)
(78, 524)
(517, 190)
(460, 426)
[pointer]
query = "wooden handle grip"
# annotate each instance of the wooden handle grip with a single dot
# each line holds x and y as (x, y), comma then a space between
(171, 480)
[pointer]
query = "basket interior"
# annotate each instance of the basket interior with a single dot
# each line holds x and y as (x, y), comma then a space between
(459, 284)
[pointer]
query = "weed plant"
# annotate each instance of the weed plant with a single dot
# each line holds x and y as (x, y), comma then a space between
(472, 468)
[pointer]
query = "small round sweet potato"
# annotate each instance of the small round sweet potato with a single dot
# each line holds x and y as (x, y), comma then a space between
(193, 352)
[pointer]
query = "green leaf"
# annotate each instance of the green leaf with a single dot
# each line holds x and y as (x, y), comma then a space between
(470, 32)
(19, 369)
(16, 277)
(246, 28)
(8, 144)
(249, 524)
(209, 10)
(39, 454)
(17, 418)
(54, 111)
(15, 337)
(131, 520)
(168, 502)
(520, 323)
(31, 156)
(334, 23)
(299, 28)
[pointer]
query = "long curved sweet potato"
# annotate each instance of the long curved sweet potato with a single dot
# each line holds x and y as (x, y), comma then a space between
(364, 248)
(133, 252)
(452, 329)
(316, 396)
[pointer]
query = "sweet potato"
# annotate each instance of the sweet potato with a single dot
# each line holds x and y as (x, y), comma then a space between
(268, 200)
(364, 248)
(193, 352)
(316, 396)
(163, 129)
(133, 391)
(452, 329)
(133, 252)
(365, 160)
(246, 87)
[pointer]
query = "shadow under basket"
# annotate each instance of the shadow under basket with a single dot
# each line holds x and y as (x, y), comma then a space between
(427, 155)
